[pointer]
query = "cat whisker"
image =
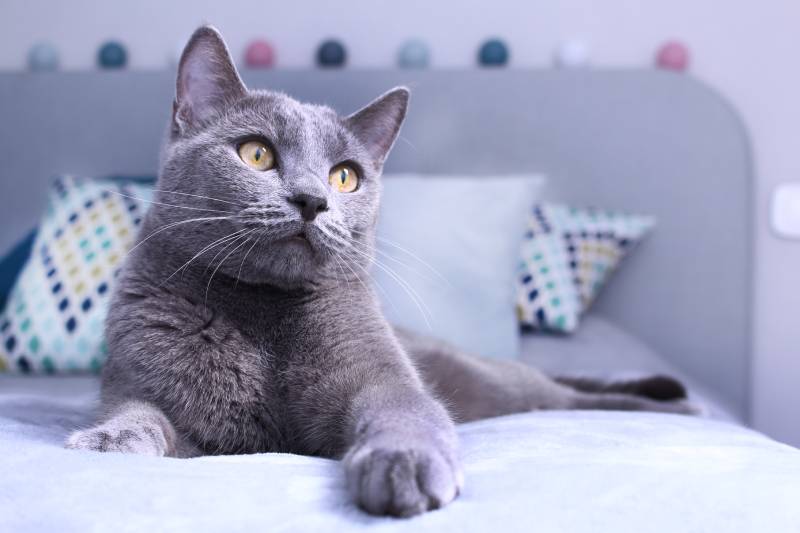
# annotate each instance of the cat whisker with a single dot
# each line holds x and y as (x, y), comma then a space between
(385, 293)
(344, 279)
(409, 143)
(407, 287)
(172, 225)
(262, 214)
(410, 268)
(255, 243)
(337, 255)
(201, 252)
(198, 196)
(228, 244)
(364, 253)
(380, 287)
(208, 287)
(276, 224)
(169, 205)
(344, 244)
(363, 284)
(408, 252)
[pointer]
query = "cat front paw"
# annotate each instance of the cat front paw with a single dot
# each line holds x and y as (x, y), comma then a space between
(402, 480)
(141, 441)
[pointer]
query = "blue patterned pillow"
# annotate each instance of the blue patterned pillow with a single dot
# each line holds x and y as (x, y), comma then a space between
(567, 256)
(53, 320)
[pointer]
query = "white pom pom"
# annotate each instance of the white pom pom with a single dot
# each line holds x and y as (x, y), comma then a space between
(572, 54)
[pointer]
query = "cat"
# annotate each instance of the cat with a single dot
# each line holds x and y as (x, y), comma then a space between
(274, 345)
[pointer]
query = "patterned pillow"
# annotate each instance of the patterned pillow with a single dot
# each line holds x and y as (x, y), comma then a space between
(53, 320)
(567, 256)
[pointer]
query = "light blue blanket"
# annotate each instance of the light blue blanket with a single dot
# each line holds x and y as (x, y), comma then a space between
(543, 472)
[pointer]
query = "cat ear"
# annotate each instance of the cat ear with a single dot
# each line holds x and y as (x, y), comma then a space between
(378, 124)
(207, 79)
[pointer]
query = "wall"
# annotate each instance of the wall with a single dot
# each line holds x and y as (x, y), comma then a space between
(744, 48)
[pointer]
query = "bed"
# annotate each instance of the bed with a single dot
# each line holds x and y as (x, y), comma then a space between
(637, 140)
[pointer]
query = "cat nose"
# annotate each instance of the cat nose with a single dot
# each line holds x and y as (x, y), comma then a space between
(309, 205)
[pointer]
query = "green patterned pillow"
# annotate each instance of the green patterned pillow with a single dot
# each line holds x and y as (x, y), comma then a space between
(567, 256)
(53, 320)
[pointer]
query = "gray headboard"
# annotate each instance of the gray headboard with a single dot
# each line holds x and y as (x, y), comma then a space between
(642, 141)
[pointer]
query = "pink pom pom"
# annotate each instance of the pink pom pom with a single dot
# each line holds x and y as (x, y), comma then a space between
(259, 54)
(673, 56)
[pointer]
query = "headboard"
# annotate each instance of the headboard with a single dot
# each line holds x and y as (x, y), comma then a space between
(640, 140)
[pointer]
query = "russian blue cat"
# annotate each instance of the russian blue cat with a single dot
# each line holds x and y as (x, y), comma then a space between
(274, 344)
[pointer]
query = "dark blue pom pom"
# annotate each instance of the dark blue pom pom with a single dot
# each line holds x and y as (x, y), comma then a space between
(331, 53)
(112, 55)
(493, 53)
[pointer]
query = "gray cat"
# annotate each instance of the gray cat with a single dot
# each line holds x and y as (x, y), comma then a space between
(274, 345)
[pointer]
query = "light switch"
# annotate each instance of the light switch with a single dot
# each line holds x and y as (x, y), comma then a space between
(785, 210)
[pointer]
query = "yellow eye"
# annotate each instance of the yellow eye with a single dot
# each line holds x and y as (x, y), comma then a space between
(343, 178)
(257, 155)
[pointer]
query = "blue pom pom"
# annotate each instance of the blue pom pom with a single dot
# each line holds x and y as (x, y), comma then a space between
(43, 57)
(112, 55)
(493, 53)
(414, 54)
(331, 53)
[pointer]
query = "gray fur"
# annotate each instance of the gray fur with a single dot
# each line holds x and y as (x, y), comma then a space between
(268, 341)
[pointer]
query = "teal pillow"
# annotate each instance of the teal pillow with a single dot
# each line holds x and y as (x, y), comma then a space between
(12, 263)
(53, 319)
(567, 256)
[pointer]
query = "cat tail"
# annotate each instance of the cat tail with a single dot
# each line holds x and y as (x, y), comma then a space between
(658, 387)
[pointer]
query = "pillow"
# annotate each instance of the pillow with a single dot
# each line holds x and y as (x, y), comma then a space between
(441, 272)
(567, 256)
(12, 263)
(53, 320)
(448, 246)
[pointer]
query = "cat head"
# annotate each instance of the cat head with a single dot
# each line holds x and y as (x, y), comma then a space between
(290, 190)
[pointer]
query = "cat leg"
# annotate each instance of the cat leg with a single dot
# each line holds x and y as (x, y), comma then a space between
(402, 458)
(131, 427)
(398, 445)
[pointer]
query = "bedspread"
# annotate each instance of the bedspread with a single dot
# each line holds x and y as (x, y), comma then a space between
(548, 471)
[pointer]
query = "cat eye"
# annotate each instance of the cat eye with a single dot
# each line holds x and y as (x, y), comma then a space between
(343, 178)
(256, 155)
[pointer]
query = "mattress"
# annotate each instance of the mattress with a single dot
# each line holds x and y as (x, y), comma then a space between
(548, 471)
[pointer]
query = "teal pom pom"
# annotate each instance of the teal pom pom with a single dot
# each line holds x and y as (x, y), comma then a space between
(414, 54)
(43, 57)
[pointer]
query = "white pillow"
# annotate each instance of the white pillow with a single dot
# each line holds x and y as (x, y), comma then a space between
(454, 240)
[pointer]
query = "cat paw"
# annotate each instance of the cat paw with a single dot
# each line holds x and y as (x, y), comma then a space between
(141, 441)
(402, 480)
